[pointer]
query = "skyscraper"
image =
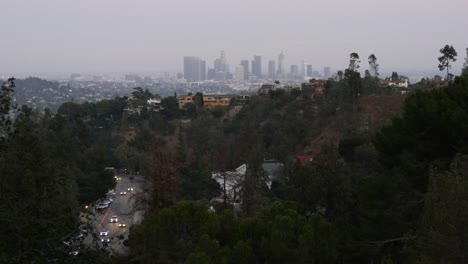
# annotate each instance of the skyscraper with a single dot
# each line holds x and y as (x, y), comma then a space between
(257, 66)
(302, 69)
(271, 69)
(326, 72)
(294, 70)
(239, 73)
(220, 64)
(245, 63)
(309, 70)
(281, 64)
(193, 69)
(211, 74)
(203, 70)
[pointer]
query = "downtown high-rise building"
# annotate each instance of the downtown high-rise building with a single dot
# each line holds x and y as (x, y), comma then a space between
(239, 76)
(294, 70)
(310, 71)
(302, 69)
(194, 69)
(220, 64)
(257, 66)
(245, 63)
(326, 72)
(203, 70)
(271, 69)
(281, 64)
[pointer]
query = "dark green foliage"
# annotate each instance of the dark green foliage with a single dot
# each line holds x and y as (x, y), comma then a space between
(443, 233)
(190, 111)
(198, 185)
(374, 66)
(7, 109)
(449, 54)
(38, 196)
(171, 107)
(432, 129)
(189, 232)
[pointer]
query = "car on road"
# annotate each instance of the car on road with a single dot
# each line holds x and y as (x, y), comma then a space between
(131, 177)
(74, 252)
(105, 240)
(106, 201)
(102, 206)
(114, 219)
(122, 225)
(104, 233)
(123, 193)
(130, 189)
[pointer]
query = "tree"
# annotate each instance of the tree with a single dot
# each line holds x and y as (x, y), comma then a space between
(374, 66)
(465, 64)
(38, 195)
(6, 110)
(367, 73)
(395, 76)
(444, 233)
(340, 75)
(449, 54)
(353, 76)
(160, 170)
(354, 62)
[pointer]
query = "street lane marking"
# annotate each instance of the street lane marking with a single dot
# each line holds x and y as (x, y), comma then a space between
(104, 218)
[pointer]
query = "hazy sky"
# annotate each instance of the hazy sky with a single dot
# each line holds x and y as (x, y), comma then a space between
(153, 35)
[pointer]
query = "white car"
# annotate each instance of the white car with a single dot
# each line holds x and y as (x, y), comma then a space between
(123, 193)
(122, 225)
(114, 219)
(104, 233)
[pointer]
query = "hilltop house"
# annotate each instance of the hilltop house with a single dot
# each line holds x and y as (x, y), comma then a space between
(212, 100)
(185, 99)
(231, 185)
(265, 89)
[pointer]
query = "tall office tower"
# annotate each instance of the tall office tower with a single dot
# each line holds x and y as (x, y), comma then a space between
(220, 76)
(257, 66)
(211, 74)
(202, 70)
(220, 64)
(271, 69)
(326, 72)
(281, 64)
(302, 69)
(309, 70)
(294, 70)
(245, 63)
(239, 73)
(192, 69)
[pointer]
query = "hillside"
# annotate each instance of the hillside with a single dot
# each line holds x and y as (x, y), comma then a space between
(372, 111)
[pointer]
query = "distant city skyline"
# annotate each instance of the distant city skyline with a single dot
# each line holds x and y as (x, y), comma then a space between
(64, 36)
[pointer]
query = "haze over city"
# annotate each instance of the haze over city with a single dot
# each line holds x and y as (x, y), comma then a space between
(61, 36)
